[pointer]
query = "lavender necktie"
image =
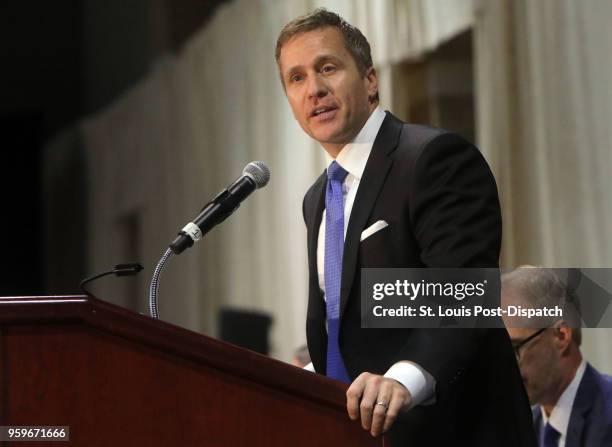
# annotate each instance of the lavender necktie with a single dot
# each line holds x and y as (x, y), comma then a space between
(334, 246)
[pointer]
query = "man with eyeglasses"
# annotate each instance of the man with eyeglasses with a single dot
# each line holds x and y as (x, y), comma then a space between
(572, 402)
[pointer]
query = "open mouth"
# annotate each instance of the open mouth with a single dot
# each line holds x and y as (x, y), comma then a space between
(323, 113)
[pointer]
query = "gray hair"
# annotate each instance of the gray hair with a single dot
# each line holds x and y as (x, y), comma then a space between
(541, 287)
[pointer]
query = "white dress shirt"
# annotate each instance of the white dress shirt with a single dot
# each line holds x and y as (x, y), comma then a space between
(560, 415)
(353, 158)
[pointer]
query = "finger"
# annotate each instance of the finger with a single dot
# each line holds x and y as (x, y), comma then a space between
(379, 413)
(368, 400)
(399, 400)
(353, 396)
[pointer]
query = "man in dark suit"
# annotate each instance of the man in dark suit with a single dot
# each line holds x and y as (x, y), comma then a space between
(395, 195)
(572, 400)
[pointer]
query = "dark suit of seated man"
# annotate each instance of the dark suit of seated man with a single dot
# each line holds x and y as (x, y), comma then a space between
(395, 195)
(572, 402)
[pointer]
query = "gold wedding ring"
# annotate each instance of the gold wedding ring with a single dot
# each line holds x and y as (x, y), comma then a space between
(383, 404)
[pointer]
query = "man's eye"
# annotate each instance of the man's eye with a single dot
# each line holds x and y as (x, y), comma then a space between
(295, 78)
(328, 69)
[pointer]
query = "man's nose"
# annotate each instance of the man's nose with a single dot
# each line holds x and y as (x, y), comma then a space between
(316, 87)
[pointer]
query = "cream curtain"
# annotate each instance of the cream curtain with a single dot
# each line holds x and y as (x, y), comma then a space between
(543, 73)
(187, 130)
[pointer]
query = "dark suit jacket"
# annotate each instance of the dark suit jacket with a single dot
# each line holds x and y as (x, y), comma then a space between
(438, 196)
(590, 423)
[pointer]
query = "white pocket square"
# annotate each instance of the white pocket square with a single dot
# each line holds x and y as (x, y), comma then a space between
(373, 229)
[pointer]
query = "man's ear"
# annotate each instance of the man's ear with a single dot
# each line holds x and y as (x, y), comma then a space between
(563, 336)
(372, 83)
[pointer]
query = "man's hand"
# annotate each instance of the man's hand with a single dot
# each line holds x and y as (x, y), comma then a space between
(378, 400)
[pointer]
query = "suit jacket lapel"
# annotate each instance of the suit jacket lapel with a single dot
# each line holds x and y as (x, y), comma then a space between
(582, 405)
(371, 182)
(314, 224)
(537, 422)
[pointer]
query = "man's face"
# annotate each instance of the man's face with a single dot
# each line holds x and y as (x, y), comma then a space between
(538, 359)
(538, 362)
(328, 95)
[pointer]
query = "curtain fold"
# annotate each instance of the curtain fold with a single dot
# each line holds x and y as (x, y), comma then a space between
(544, 105)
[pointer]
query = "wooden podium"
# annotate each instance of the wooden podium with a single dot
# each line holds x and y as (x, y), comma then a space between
(117, 378)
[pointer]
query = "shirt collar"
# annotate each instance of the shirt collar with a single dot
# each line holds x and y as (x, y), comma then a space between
(560, 415)
(354, 156)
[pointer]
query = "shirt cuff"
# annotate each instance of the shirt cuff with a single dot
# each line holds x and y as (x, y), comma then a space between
(417, 381)
(309, 367)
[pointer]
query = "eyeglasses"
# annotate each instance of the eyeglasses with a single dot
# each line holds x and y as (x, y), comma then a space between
(517, 346)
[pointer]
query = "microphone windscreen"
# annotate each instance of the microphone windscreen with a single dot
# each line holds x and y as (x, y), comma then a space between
(258, 172)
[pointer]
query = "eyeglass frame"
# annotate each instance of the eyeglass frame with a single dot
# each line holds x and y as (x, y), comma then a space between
(522, 343)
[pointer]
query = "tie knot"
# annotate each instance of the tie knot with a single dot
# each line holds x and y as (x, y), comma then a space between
(336, 172)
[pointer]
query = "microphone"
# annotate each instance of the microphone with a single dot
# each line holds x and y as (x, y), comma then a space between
(118, 270)
(254, 176)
